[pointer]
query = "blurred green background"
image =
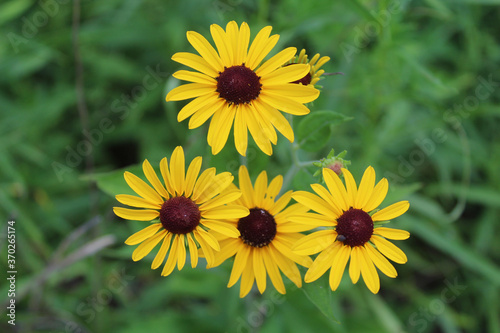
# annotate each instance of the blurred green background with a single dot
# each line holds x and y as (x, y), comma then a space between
(421, 83)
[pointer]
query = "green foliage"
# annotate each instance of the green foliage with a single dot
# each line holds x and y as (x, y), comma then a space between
(420, 92)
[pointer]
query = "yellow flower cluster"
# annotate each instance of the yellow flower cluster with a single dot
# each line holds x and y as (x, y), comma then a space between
(195, 213)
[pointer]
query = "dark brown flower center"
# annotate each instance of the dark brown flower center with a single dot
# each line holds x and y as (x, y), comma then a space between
(179, 215)
(238, 85)
(354, 227)
(258, 228)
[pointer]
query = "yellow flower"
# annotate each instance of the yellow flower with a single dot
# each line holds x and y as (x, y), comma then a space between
(232, 85)
(267, 234)
(315, 63)
(350, 231)
(189, 209)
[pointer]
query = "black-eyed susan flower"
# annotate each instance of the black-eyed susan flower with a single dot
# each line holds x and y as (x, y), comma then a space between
(231, 85)
(267, 235)
(351, 231)
(315, 63)
(185, 209)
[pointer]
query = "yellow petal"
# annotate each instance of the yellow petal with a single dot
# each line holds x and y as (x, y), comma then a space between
(143, 250)
(322, 262)
(338, 266)
(281, 203)
(219, 183)
(284, 104)
(288, 227)
(260, 188)
(247, 192)
(134, 201)
(336, 188)
(232, 39)
(272, 270)
(391, 212)
(315, 242)
(136, 214)
(228, 248)
(312, 220)
(226, 212)
(274, 187)
(181, 251)
(260, 136)
(140, 187)
(379, 260)
(205, 50)
(143, 234)
(315, 203)
(205, 179)
(160, 256)
(378, 195)
(220, 126)
(196, 104)
(287, 74)
(177, 170)
(355, 264)
(247, 279)
(189, 90)
(286, 265)
(278, 60)
(200, 117)
(224, 228)
(389, 250)
(297, 92)
(261, 46)
(284, 242)
(240, 130)
(222, 199)
(167, 177)
(153, 179)
(325, 195)
(351, 188)
(222, 44)
(391, 233)
(206, 249)
(193, 250)
(208, 238)
(365, 188)
(240, 261)
(264, 122)
(192, 175)
(259, 269)
(277, 119)
(195, 62)
(194, 77)
(240, 52)
(172, 257)
(368, 271)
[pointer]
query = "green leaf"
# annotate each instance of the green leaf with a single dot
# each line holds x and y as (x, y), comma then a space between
(453, 247)
(320, 294)
(315, 129)
(13, 9)
(113, 182)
